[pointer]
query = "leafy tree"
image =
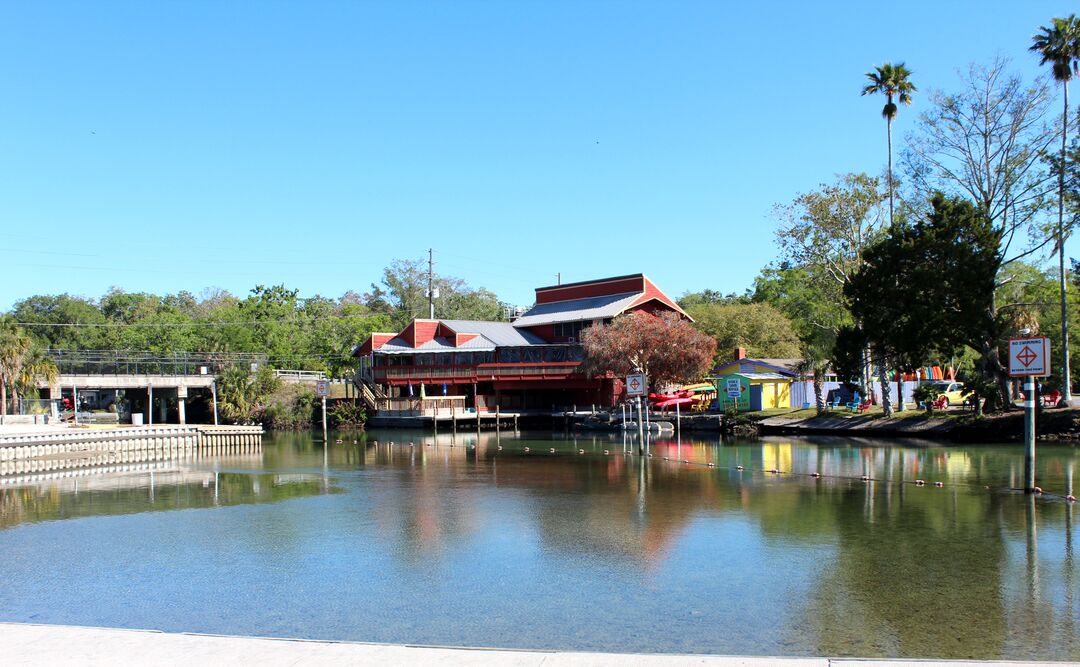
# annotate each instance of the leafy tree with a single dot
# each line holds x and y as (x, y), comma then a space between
(709, 297)
(21, 363)
(848, 356)
(405, 293)
(759, 327)
(985, 142)
(80, 318)
(666, 348)
(927, 289)
(1059, 46)
(822, 238)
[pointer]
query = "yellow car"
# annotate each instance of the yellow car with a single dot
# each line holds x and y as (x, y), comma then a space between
(952, 392)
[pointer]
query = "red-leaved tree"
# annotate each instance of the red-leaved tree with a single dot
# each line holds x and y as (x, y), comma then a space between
(664, 347)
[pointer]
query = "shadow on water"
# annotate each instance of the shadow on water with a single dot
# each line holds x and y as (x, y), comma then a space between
(556, 540)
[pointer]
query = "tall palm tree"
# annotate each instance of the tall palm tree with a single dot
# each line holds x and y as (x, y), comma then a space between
(892, 81)
(1059, 46)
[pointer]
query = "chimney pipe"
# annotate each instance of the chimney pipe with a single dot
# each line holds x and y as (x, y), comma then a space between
(740, 353)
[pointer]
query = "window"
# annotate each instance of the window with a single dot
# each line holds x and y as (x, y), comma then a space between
(569, 329)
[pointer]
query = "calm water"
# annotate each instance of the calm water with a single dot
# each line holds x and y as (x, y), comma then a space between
(482, 546)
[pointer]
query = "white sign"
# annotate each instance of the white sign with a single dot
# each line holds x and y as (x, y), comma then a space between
(181, 391)
(322, 388)
(734, 388)
(635, 385)
(1029, 356)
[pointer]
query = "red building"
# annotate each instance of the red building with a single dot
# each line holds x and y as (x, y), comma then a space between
(531, 363)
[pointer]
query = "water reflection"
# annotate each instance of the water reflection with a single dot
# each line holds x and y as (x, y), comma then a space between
(778, 546)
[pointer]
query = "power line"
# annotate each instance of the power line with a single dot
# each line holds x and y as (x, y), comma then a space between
(193, 324)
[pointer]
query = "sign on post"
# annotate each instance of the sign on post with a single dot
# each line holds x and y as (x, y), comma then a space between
(322, 388)
(1029, 357)
(635, 385)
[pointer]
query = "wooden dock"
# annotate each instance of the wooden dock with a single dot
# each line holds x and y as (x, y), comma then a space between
(63, 449)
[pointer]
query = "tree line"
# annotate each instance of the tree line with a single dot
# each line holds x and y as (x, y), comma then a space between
(939, 260)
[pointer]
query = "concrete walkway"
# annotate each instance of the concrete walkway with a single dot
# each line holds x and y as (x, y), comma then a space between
(66, 645)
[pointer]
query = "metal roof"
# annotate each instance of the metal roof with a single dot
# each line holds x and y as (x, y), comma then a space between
(577, 310)
(489, 336)
(401, 346)
(500, 334)
(755, 376)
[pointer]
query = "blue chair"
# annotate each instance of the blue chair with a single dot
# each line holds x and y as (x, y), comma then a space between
(836, 401)
(853, 405)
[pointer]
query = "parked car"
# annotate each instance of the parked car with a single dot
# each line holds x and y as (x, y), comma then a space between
(952, 392)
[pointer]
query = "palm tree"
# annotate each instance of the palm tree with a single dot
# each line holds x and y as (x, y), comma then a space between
(15, 344)
(892, 81)
(1059, 45)
(35, 364)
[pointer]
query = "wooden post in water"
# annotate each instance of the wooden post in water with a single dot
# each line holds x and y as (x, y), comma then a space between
(497, 417)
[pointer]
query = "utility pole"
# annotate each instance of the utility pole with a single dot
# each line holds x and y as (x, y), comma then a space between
(430, 285)
(558, 278)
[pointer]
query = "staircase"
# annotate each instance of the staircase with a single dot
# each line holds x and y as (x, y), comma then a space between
(370, 392)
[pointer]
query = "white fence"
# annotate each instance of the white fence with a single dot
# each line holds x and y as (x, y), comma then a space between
(802, 393)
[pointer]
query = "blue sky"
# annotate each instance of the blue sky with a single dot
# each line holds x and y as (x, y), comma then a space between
(167, 146)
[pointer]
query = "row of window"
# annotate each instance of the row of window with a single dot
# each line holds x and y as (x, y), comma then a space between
(570, 329)
(505, 355)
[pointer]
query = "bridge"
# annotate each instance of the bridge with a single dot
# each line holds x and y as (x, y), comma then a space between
(157, 386)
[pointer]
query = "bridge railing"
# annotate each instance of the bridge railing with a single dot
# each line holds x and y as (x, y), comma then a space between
(119, 362)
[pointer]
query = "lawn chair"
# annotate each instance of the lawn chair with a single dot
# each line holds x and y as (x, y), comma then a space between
(1051, 399)
(854, 404)
(864, 406)
(835, 402)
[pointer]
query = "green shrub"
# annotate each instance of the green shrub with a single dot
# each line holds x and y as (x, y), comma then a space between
(346, 413)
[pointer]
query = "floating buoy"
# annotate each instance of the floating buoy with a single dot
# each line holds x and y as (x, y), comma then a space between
(581, 451)
(865, 478)
(605, 452)
(551, 451)
(410, 444)
(712, 465)
(650, 456)
(815, 474)
(391, 443)
(1037, 489)
(775, 471)
(686, 460)
(738, 467)
(939, 484)
(500, 448)
(354, 442)
(338, 441)
(920, 482)
(526, 450)
(1070, 498)
(665, 458)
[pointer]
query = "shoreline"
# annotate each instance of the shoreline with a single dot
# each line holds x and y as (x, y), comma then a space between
(39, 644)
